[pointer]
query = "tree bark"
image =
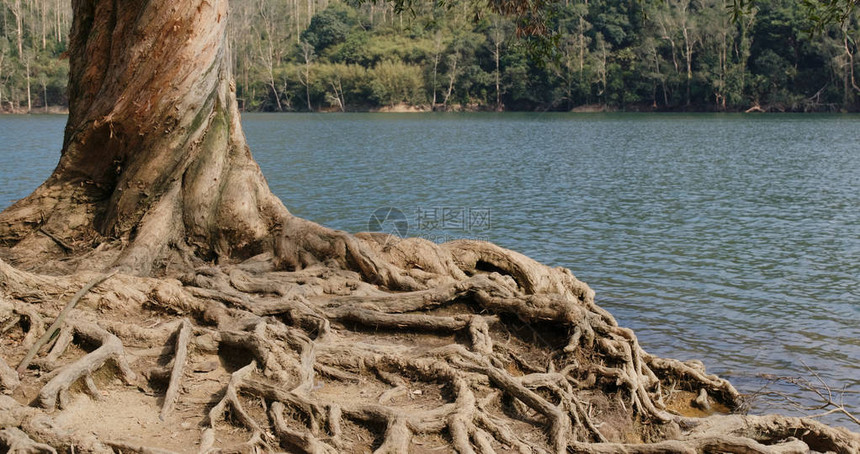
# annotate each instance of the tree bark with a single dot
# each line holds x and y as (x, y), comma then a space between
(19, 26)
(29, 92)
(153, 153)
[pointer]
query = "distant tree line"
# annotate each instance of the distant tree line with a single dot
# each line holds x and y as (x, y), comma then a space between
(33, 75)
(311, 55)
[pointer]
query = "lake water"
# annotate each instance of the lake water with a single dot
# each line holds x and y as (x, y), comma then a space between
(734, 239)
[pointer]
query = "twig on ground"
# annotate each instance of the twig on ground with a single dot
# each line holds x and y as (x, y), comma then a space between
(825, 397)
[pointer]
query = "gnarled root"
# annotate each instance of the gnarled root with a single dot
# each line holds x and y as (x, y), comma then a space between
(230, 402)
(183, 337)
(366, 345)
(771, 430)
(8, 377)
(742, 434)
(56, 390)
(12, 313)
(15, 441)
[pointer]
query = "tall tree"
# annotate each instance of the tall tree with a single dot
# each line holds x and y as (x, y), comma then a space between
(149, 141)
(16, 10)
(307, 52)
(498, 34)
(678, 24)
(3, 76)
(269, 47)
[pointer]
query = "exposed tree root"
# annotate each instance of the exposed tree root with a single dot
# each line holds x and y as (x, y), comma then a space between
(123, 447)
(18, 442)
(15, 313)
(55, 392)
(8, 377)
(479, 363)
(182, 338)
(230, 402)
(58, 323)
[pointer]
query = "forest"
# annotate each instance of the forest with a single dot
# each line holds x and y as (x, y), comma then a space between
(334, 55)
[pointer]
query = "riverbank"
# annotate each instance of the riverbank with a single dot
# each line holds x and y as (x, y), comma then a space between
(51, 110)
(476, 108)
(585, 108)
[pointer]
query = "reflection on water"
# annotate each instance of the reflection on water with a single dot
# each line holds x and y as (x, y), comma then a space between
(734, 239)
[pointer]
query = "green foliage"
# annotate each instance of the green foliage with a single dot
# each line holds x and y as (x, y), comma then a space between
(344, 85)
(330, 27)
(33, 76)
(394, 82)
(666, 55)
(560, 55)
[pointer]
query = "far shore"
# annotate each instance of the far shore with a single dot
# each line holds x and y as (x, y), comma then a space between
(51, 110)
(474, 108)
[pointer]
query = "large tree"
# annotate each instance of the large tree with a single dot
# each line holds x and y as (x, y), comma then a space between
(193, 281)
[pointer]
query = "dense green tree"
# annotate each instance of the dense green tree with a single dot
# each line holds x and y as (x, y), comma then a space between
(330, 27)
(665, 55)
(32, 41)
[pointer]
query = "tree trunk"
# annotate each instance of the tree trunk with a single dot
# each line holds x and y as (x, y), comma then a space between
(452, 77)
(44, 15)
(153, 152)
(59, 29)
(29, 92)
(19, 26)
(307, 53)
(498, 36)
(688, 57)
(437, 53)
(498, 78)
(2, 82)
(44, 94)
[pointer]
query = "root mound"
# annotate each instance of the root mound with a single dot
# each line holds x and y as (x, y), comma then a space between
(392, 346)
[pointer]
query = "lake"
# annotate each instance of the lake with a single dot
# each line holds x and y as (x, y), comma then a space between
(734, 239)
